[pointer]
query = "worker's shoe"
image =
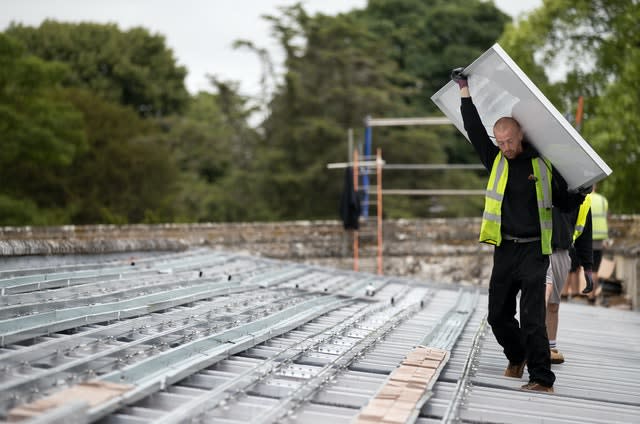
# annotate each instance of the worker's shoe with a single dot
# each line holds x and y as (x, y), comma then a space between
(515, 369)
(537, 387)
(556, 357)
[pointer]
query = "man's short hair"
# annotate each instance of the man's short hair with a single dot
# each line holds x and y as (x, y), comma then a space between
(506, 122)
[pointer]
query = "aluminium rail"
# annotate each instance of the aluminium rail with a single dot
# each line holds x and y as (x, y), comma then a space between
(272, 364)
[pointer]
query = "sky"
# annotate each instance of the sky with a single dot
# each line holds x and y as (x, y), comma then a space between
(200, 32)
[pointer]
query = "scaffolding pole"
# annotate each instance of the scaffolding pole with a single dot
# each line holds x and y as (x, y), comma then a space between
(355, 232)
(379, 206)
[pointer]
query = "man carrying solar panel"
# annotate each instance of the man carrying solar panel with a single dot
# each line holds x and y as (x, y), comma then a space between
(517, 220)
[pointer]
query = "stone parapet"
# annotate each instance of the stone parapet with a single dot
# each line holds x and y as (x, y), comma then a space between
(443, 250)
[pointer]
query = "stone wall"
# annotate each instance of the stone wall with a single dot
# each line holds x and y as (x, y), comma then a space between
(441, 250)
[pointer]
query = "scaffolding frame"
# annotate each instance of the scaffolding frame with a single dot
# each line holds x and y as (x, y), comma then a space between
(363, 165)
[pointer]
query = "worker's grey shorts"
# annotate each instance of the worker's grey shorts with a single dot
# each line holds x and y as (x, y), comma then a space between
(559, 265)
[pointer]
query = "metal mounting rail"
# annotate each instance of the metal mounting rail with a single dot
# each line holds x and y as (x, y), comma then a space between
(287, 405)
(122, 290)
(27, 327)
(452, 413)
(169, 367)
(111, 353)
(284, 357)
(174, 264)
(149, 259)
(445, 334)
(22, 293)
(85, 337)
(104, 292)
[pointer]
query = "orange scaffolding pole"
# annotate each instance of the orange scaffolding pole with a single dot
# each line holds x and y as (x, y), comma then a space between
(355, 232)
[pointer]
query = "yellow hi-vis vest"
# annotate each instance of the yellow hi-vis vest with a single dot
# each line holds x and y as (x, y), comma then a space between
(582, 217)
(599, 211)
(492, 216)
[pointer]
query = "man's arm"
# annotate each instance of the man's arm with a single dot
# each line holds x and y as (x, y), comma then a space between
(584, 245)
(473, 124)
(584, 251)
(561, 197)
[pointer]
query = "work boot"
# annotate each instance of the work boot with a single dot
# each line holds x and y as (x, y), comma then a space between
(556, 357)
(536, 387)
(515, 369)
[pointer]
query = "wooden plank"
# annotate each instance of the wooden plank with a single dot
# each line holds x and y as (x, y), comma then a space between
(92, 392)
(399, 400)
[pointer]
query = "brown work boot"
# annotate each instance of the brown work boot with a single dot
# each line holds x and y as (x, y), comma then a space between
(536, 387)
(556, 357)
(515, 369)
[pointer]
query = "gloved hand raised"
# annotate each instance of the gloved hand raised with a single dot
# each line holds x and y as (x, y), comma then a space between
(589, 278)
(459, 77)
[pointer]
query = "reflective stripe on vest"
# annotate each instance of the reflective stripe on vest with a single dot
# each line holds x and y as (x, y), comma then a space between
(492, 217)
(582, 217)
(599, 211)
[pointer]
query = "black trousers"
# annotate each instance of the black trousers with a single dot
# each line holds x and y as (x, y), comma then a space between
(521, 267)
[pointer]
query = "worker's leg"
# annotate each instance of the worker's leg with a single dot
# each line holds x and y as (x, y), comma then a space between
(532, 271)
(548, 290)
(573, 279)
(552, 314)
(552, 322)
(597, 258)
(560, 263)
(548, 284)
(502, 303)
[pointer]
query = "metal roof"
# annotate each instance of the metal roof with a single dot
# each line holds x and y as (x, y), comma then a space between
(209, 336)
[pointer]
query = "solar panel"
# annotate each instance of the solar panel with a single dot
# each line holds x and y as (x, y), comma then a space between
(500, 88)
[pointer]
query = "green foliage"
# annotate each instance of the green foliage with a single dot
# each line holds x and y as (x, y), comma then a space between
(214, 148)
(126, 175)
(37, 125)
(597, 40)
(428, 38)
(384, 61)
(76, 148)
(133, 67)
(41, 132)
(615, 133)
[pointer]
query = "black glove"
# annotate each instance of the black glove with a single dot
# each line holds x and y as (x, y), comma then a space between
(460, 78)
(589, 278)
(585, 190)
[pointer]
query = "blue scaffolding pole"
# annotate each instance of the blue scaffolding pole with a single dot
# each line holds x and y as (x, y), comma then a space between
(365, 172)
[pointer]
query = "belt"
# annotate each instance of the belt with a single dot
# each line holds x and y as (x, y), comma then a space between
(519, 239)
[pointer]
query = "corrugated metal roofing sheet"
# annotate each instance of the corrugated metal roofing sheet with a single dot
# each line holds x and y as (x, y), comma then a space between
(205, 336)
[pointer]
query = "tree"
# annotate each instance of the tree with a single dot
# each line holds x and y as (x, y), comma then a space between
(126, 175)
(40, 132)
(335, 76)
(214, 147)
(428, 38)
(383, 61)
(597, 41)
(133, 67)
(614, 130)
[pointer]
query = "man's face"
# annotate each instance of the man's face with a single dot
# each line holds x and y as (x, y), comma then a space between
(509, 140)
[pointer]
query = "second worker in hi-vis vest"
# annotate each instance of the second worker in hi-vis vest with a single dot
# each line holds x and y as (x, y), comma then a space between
(517, 220)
